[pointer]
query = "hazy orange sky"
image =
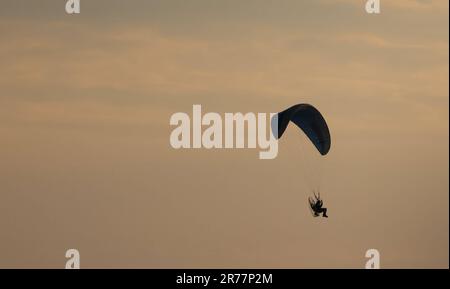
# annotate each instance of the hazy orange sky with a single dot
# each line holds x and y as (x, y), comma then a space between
(85, 159)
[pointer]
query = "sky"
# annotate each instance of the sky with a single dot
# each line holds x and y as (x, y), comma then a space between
(86, 163)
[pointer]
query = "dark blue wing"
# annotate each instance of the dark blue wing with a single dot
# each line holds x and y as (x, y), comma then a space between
(310, 121)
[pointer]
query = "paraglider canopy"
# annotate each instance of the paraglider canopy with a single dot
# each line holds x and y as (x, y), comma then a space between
(310, 121)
